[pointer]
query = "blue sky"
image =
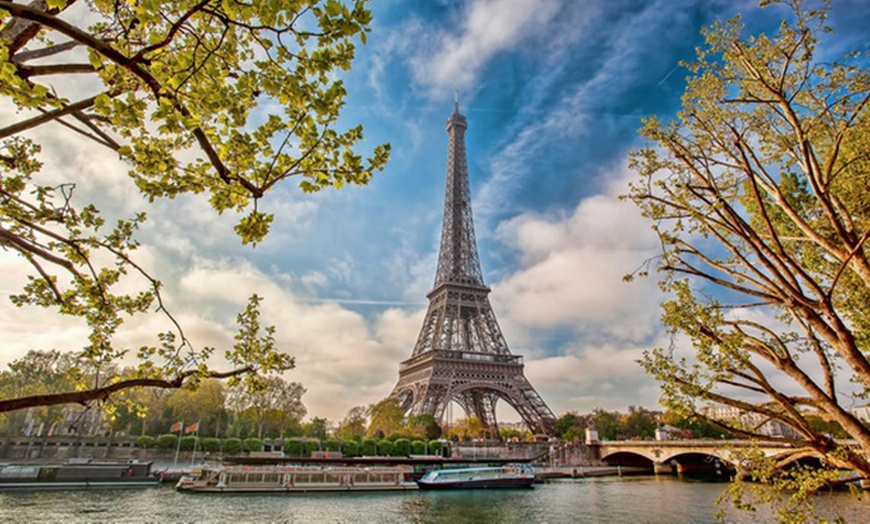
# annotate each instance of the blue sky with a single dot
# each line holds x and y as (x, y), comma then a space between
(553, 91)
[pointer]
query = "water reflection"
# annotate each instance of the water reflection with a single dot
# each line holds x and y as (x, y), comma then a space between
(601, 500)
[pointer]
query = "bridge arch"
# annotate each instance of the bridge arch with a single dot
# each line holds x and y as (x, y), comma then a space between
(629, 459)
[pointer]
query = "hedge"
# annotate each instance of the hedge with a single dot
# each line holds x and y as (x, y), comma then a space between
(332, 445)
(167, 441)
(210, 444)
(350, 448)
(401, 447)
(145, 442)
(253, 444)
(311, 445)
(385, 448)
(232, 446)
(368, 448)
(187, 443)
(294, 447)
(418, 447)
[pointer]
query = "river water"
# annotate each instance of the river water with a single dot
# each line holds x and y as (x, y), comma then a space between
(595, 500)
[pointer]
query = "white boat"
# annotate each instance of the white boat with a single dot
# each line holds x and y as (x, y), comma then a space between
(289, 479)
(508, 476)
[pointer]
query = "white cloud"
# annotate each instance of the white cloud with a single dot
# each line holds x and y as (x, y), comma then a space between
(488, 27)
(572, 269)
(341, 359)
(570, 279)
(595, 376)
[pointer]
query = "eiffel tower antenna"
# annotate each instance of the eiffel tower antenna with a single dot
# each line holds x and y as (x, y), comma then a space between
(461, 354)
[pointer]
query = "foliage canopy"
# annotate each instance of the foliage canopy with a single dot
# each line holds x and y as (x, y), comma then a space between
(212, 97)
(759, 194)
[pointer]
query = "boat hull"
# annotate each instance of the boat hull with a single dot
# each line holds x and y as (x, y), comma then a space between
(110, 484)
(295, 489)
(505, 483)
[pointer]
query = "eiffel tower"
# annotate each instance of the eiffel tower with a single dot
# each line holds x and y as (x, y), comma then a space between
(461, 354)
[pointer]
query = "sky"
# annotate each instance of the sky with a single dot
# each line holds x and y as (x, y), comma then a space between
(554, 92)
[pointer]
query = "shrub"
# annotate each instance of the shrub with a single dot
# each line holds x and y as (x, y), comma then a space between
(253, 444)
(187, 443)
(385, 448)
(210, 444)
(368, 448)
(311, 445)
(418, 447)
(145, 442)
(294, 447)
(435, 447)
(168, 441)
(350, 448)
(401, 447)
(232, 446)
(332, 445)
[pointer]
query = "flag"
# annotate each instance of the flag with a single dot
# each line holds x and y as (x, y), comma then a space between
(175, 427)
(191, 428)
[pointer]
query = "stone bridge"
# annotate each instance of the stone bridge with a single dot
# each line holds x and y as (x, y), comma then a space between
(665, 455)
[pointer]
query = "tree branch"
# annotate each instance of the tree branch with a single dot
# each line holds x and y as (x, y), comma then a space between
(103, 393)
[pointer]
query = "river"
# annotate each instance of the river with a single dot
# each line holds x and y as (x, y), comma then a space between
(594, 500)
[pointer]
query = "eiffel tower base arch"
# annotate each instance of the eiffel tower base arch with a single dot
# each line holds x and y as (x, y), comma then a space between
(428, 383)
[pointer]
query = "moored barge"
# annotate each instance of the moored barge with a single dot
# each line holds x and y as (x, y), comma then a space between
(77, 474)
(290, 479)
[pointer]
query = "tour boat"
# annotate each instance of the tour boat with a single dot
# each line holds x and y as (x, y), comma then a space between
(508, 476)
(77, 474)
(288, 479)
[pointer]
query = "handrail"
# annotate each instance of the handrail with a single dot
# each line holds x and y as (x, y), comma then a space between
(476, 356)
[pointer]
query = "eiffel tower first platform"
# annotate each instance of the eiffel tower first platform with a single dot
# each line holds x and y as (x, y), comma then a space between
(461, 354)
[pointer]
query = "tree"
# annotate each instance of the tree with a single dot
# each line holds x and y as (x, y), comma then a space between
(182, 92)
(571, 425)
(125, 411)
(425, 426)
(386, 418)
(274, 402)
(639, 423)
(39, 373)
(353, 426)
(316, 428)
(759, 195)
(204, 404)
(467, 428)
(691, 426)
(608, 423)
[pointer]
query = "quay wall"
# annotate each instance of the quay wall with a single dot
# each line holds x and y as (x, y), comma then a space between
(61, 448)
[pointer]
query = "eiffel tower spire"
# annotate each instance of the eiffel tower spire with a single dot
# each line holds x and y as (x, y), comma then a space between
(461, 354)
(457, 258)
